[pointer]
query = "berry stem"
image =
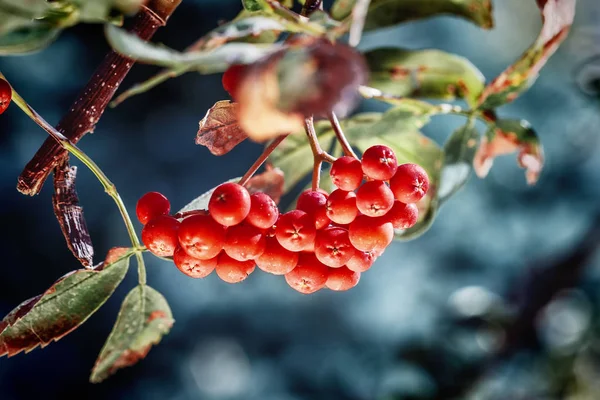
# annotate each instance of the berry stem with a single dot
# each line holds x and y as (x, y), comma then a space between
(318, 153)
(261, 159)
(109, 187)
(339, 133)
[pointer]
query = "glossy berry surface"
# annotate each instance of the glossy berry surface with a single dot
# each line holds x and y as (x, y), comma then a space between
(201, 236)
(410, 183)
(341, 279)
(244, 242)
(333, 247)
(229, 204)
(151, 205)
(232, 78)
(5, 95)
(346, 173)
(296, 231)
(276, 259)
(361, 261)
(233, 271)
(263, 211)
(370, 234)
(160, 235)
(379, 162)
(403, 216)
(193, 267)
(374, 198)
(309, 275)
(341, 206)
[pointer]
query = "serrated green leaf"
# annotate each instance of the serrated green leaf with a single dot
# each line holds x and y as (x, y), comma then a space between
(27, 40)
(506, 136)
(217, 60)
(557, 16)
(424, 73)
(383, 13)
(459, 152)
(145, 317)
(68, 303)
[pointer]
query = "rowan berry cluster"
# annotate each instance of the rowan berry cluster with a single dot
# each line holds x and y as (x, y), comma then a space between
(327, 241)
(5, 95)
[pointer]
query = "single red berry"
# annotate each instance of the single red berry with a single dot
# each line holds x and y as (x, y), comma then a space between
(296, 231)
(244, 242)
(341, 279)
(379, 162)
(5, 95)
(263, 211)
(321, 219)
(151, 205)
(369, 234)
(233, 271)
(276, 259)
(201, 236)
(346, 173)
(362, 261)
(333, 247)
(313, 203)
(403, 216)
(229, 204)
(309, 275)
(233, 77)
(374, 199)
(191, 266)
(160, 235)
(410, 183)
(341, 206)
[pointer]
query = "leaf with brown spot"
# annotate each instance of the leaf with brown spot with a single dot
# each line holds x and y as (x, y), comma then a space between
(144, 318)
(557, 17)
(508, 136)
(68, 303)
(219, 129)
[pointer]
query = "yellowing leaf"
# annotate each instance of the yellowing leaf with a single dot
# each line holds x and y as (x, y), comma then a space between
(219, 130)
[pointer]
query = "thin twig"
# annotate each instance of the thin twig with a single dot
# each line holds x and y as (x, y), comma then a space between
(319, 155)
(339, 133)
(359, 15)
(261, 159)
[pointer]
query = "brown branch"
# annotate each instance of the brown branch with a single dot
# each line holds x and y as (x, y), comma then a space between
(70, 214)
(92, 101)
(261, 159)
(339, 133)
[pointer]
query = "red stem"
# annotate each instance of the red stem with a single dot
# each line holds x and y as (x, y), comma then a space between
(261, 159)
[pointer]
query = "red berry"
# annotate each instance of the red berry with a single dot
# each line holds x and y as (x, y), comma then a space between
(296, 231)
(229, 204)
(233, 271)
(263, 211)
(309, 275)
(379, 162)
(277, 260)
(369, 234)
(244, 242)
(346, 173)
(321, 218)
(233, 77)
(410, 183)
(374, 198)
(313, 203)
(341, 206)
(201, 236)
(362, 261)
(191, 266)
(160, 235)
(403, 216)
(150, 205)
(333, 248)
(5, 95)
(341, 279)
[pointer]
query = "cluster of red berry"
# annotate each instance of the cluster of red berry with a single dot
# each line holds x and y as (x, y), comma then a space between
(327, 241)
(5, 95)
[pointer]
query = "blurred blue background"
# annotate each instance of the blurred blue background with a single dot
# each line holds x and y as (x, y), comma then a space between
(499, 300)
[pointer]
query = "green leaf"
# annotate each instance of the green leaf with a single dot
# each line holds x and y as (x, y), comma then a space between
(17, 14)
(383, 13)
(557, 16)
(506, 136)
(203, 61)
(459, 152)
(256, 5)
(144, 318)
(100, 10)
(424, 73)
(68, 303)
(27, 40)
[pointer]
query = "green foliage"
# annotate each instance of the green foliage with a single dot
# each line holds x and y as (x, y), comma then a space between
(63, 307)
(144, 318)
